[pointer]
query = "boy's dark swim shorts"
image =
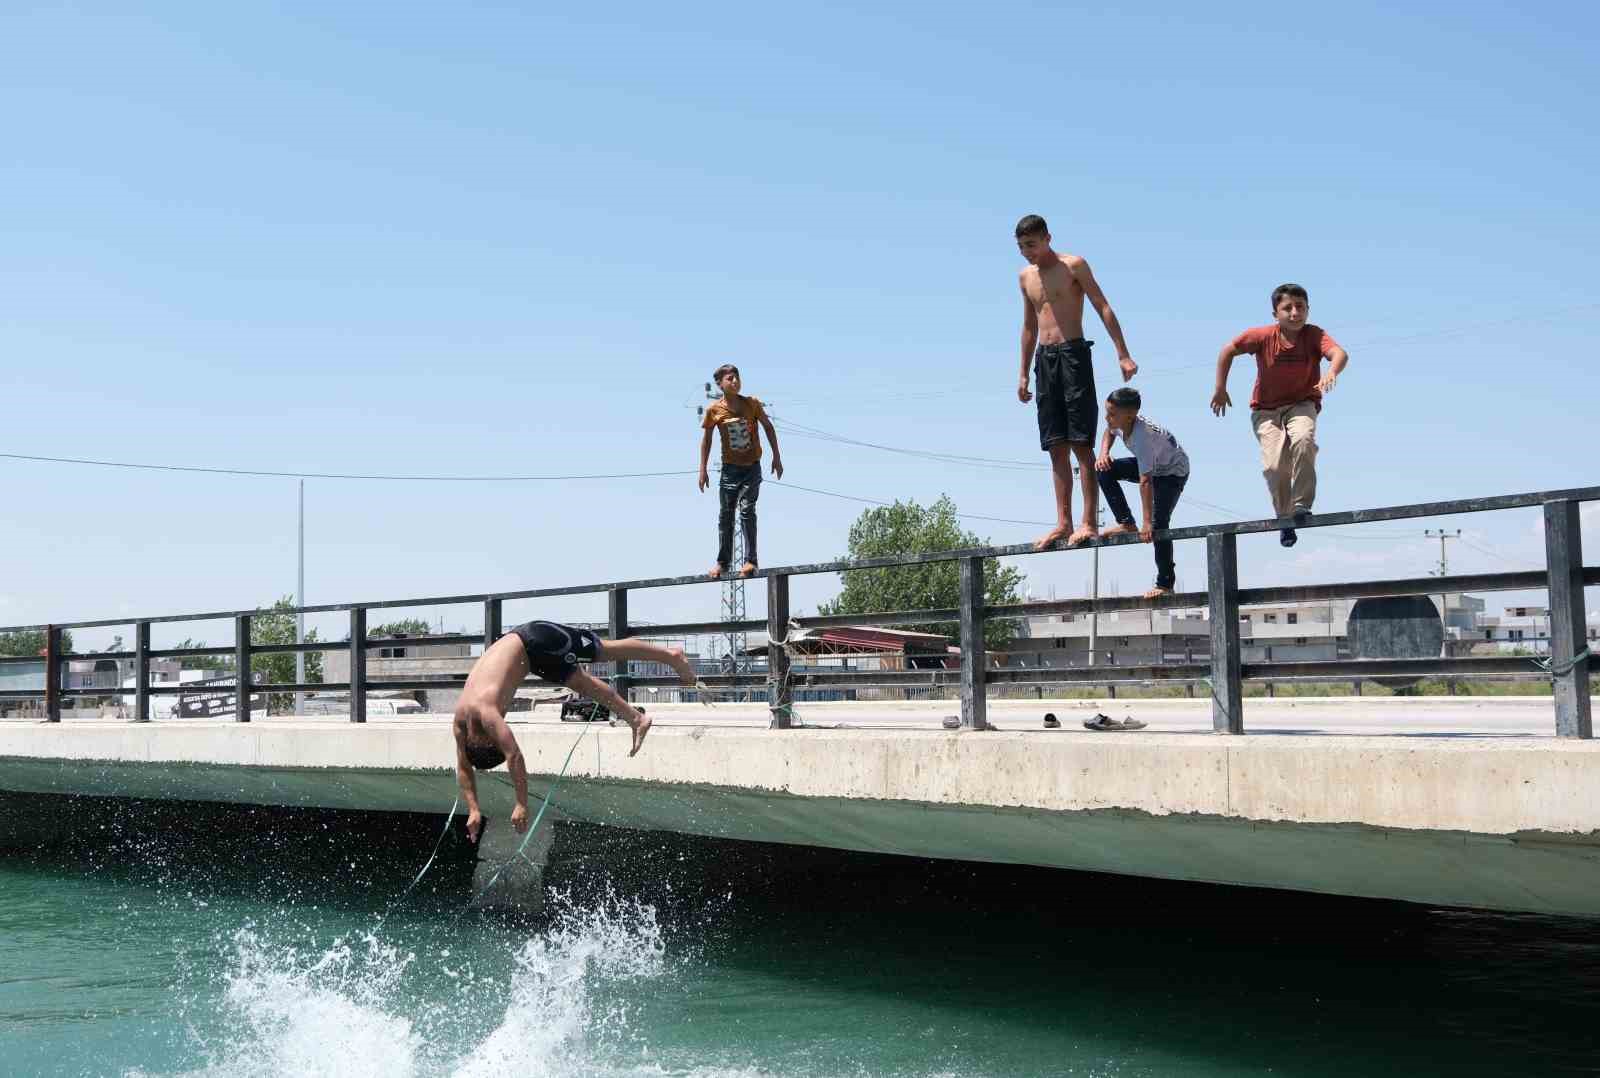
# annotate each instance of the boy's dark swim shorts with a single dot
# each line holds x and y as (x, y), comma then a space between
(554, 651)
(1069, 410)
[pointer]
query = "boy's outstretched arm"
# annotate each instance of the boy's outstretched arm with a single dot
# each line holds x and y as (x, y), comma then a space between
(1337, 359)
(469, 787)
(586, 684)
(705, 458)
(772, 440)
(1102, 460)
(1030, 339)
(1220, 401)
(1102, 306)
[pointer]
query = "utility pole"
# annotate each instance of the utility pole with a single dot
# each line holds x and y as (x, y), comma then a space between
(299, 616)
(1444, 563)
(1094, 615)
(1444, 599)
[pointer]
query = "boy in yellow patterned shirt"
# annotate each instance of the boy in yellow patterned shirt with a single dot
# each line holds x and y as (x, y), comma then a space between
(735, 417)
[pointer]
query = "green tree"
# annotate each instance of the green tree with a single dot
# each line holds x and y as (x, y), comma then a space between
(27, 643)
(403, 627)
(909, 528)
(275, 625)
(201, 662)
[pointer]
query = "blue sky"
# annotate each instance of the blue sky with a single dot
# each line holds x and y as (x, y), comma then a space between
(388, 239)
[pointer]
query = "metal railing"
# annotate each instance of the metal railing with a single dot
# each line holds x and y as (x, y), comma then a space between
(1565, 577)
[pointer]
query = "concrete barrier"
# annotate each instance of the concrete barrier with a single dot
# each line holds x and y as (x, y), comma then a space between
(1505, 823)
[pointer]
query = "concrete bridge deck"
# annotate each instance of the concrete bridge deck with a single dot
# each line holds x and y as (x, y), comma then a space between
(1465, 802)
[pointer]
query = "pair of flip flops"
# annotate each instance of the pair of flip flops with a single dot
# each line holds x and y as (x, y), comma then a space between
(1106, 723)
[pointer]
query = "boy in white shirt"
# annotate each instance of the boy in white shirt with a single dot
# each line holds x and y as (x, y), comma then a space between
(1160, 467)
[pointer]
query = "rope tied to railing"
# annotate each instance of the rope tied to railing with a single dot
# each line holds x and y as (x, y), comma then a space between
(1550, 666)
(783, 689)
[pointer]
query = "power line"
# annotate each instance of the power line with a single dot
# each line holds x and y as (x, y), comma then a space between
(339, 475)
(803, 431)
(876, 501)
(1457, 330)
(259, 473)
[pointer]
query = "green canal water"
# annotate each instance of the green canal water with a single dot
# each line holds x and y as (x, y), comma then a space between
(204, 940)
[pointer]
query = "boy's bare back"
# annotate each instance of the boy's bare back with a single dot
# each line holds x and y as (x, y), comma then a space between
(1056, 296)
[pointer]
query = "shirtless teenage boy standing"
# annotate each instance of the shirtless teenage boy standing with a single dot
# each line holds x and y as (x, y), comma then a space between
(1054, 287)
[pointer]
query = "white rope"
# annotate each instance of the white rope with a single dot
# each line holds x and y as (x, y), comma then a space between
(1549, 666)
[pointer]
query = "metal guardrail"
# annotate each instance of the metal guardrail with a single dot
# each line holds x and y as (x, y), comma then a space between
(1565, 577)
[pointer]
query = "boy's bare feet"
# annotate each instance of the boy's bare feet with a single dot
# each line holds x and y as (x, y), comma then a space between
(715, 573)
(1156, 593)
(1050, 539)
(1083, 534)
(686, 672)
(641, 726)
(747, 568)
(1119, 529)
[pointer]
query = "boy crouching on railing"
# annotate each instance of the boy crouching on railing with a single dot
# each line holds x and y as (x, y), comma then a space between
(1160, 467)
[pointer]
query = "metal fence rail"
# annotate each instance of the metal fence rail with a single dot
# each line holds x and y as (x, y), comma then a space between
(1565, 577)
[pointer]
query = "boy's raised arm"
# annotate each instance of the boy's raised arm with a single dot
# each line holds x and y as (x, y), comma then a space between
(1030, 339)
(1220, 401)
(1102, 306)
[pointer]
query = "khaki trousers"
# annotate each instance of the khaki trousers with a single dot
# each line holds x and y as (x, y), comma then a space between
(1288, 438)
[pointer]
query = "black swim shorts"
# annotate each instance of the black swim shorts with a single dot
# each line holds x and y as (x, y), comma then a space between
(554, 651)
(1068, 409)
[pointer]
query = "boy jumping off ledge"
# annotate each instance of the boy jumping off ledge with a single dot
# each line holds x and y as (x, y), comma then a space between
(1286, 399)
(552, 652)
(1054, 287)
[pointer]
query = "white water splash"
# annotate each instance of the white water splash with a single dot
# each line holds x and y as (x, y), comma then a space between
(552, 1024)
(312, 1015)
(567, 1007)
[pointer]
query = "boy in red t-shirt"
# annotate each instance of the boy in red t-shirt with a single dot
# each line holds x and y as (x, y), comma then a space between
(1286, 398)
(735, 417)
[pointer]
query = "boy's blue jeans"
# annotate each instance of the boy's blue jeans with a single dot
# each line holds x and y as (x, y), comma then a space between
(1166, 492)
(739, 487)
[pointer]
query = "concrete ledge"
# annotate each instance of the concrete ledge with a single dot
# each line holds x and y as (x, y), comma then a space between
(1500, 787)
(1504, 823)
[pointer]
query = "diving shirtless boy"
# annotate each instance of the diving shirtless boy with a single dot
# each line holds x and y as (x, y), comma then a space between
(1054, 287)
(552, 652)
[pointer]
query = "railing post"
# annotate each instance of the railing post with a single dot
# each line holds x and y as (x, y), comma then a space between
(358, 664)
(52, 674)
(241, 665)
(974, 660)
(1222, 586)
(492, 626)
(141, 671)
(617, 609)
(780, 693)
(1563, 550)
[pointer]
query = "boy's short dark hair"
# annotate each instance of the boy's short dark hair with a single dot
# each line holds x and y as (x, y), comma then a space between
(1288, 290)
(1125, 397)
(483, 756)
(726, 368)
(1032, 225)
